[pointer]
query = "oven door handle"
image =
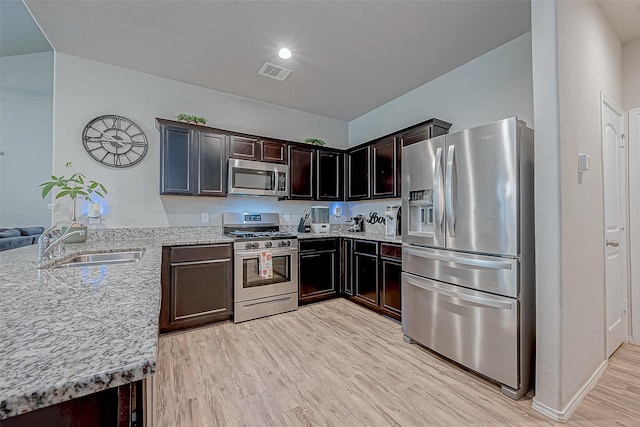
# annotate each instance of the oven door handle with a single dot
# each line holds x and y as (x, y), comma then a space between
(250, 254)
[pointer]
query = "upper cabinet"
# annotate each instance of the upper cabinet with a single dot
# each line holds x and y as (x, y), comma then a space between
(192, 161)
(384, 164)
(246, 148)
(329, 179)
(302, 173)
(358, 168)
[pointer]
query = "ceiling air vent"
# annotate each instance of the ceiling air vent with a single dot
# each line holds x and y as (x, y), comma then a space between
(275, 72)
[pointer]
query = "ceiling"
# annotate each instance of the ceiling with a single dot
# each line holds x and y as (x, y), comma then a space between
(624, 16)
(19, 34)
(349, 57)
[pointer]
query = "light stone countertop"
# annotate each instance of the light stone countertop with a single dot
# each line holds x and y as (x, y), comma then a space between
(69, 332)
(366, 235)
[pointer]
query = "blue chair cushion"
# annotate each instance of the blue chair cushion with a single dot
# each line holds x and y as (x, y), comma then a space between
(30, 231)
(9, 233)
(15, 242)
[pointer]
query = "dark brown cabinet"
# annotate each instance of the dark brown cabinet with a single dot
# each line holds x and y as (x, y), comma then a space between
(365, 272)
(192, 162)
(247, 148)
(391, 280)
(384, 165)
(319, 263)
(358, 167)
(197, 286)
(346, 267)
(329, 176)
(302, 173)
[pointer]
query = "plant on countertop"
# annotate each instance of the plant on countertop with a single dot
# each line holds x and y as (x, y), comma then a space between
(77, 185)
(188, 118)
(314, 141)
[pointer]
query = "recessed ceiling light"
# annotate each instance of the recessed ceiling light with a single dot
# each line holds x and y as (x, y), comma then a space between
(284, 53)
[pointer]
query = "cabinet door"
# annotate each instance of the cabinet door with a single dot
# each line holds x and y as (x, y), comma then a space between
(329, 179)
(200, 290)
(358, 165)
(244, 148)
(366, 278)
(383, 155)
(274, 152)
(302, 173)
(391, 293)
(212, 161)
(176, 161)
(317, 275)
(347, 267)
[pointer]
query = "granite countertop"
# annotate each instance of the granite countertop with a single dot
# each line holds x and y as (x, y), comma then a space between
(366, 235)
(69, 332)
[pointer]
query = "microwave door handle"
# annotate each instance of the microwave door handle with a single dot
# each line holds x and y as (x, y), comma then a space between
(450, 213)
(437, 193)
(274, 180)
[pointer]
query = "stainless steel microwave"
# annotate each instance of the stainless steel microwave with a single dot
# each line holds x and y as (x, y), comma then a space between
(258, 178)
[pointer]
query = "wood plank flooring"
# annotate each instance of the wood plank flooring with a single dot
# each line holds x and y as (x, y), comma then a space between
(338, 364)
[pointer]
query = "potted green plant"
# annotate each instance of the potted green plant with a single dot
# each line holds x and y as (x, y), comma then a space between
(314, 141)
(200, 120)
(76, 185)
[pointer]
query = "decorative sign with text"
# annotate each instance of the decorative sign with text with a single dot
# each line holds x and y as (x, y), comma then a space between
(375, 219)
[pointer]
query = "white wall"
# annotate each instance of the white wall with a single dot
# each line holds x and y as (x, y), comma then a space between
(631, 74)
(491, 87)
(571, 350)
(85, 89)
(26, 129)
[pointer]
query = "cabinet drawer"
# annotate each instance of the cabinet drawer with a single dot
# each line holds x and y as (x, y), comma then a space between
(200, 252)
(318, 245)
(365, 247)
(391, 251)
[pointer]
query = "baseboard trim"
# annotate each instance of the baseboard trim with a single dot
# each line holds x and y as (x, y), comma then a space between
(573, 404)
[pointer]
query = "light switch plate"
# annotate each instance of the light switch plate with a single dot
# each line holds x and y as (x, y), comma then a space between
(205, 216)
(584, 163)
(287, 216)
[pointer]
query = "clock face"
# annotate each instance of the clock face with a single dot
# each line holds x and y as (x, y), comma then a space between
(114, 141)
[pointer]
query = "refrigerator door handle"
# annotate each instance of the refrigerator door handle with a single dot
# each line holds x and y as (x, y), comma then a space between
(457, 260)
(476, 300)
(450, 212)
(437, 192)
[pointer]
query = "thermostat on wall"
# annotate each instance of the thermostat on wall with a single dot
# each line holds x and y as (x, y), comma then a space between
(584, 163)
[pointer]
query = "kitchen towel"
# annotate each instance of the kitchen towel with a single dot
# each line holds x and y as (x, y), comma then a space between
(266, 266)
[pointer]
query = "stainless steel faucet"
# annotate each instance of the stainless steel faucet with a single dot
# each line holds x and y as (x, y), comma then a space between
(46, 246)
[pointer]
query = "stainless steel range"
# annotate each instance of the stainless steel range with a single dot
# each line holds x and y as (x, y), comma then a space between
(265, 265)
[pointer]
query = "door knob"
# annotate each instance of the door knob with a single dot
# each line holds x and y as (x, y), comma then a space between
(613, 243)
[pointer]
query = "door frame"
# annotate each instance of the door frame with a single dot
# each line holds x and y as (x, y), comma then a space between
(633, 122)
(606, 101)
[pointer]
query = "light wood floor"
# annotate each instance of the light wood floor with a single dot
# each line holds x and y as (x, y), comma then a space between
(338, 364)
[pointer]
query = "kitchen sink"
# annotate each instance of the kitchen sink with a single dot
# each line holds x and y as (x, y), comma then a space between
(121, 256)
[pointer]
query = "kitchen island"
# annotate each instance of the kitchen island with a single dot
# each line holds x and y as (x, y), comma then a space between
(71, 332)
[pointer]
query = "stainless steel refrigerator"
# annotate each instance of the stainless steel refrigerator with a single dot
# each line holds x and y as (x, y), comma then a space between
(468, 282)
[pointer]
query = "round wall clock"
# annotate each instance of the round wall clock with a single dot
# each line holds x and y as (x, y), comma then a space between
(114, 141)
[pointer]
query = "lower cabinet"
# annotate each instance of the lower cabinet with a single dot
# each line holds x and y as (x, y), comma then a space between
(197, 286)
(372, 275)
(318, 268)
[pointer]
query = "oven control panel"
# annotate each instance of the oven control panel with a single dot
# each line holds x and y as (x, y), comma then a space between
(267, 244)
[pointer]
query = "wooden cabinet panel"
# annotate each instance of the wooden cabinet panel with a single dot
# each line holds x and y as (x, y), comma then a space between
(358, 168)
(391, 251)
(366, 278)
(346, 280)
(274, 152)
(383, 155)
(330, 175)
(391, 292)
(212, 164)
(318, 269)
(244, 148)
(176, 161)
(302, 173)
(197, 286)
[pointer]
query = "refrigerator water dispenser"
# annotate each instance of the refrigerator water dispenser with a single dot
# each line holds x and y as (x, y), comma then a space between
(421, 212)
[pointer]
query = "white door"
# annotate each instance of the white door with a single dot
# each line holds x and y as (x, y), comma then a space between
(614, 173)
